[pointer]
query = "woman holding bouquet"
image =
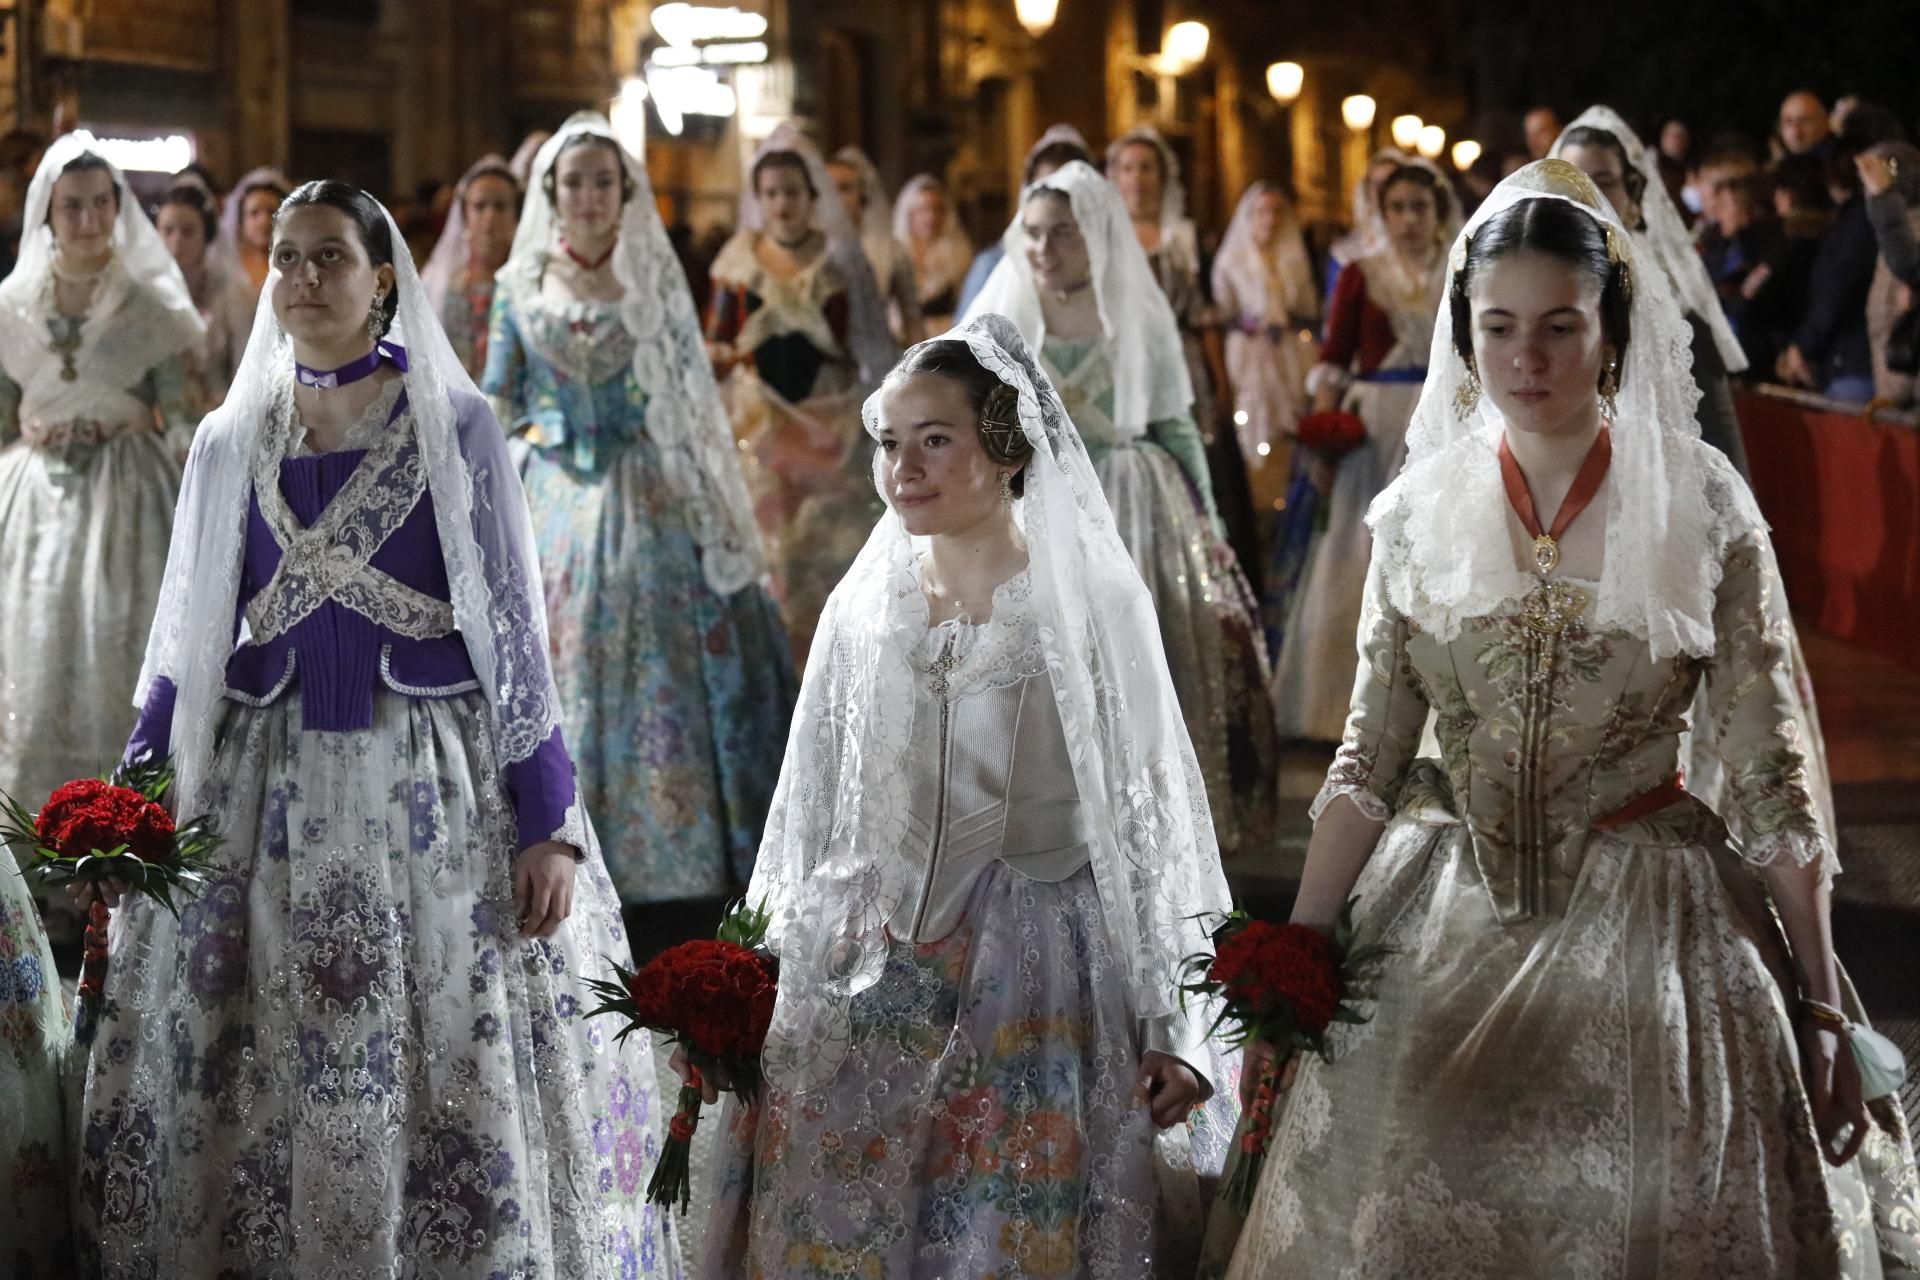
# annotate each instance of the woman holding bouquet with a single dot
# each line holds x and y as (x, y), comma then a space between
(96, 325)
(980, 927)
(1077, 285)
(1373, 358)
(360, 1049)
(1594, 1050)
(675, 683)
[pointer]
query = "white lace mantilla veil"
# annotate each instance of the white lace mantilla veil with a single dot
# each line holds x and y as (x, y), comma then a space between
(1175, 225)
(252, 179)
(1240, 268)
(450, 251)
(1150, 379)
(870, 339)
(479, 512)
(951, 253)
(829, 867)
(1675, 503)
(686, 419)
(1666, 234)
(1368, 234)
(115, 353)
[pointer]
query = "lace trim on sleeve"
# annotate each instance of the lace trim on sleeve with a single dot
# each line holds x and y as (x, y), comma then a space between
(1362, 796)
(1797, 848)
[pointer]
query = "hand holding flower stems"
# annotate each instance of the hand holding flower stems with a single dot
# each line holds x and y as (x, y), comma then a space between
(714, 1002)
(1279, 989)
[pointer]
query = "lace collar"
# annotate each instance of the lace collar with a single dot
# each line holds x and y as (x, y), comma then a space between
(368, 431)
(972, 657)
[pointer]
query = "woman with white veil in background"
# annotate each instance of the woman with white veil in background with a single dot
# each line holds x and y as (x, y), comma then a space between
(1601, 145)
(1263, 287)
(928, 226)
(1077, 285)
(96, 325)
(188, 221)
(472, 247)
(989, 854)
(361, 1048)
(1609, 1039)
(798, 335)
(1372, 361)
(864, 196)
(246, 222)
(674, 678)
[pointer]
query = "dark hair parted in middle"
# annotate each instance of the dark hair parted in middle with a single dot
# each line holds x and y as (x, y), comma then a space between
(367, 217)
(1587, 136)
(550, 183)
(88, 162)
(1423, 176)
(996, 403)
(191, 195)
(1560, 230)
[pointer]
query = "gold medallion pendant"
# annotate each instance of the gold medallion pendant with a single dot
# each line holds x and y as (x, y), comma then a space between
(1546, 554)
(1550, 607)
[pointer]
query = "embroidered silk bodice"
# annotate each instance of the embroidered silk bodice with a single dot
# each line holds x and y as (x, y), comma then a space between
(1547, 736)
(566, 369)
(991, 777)
(343, 590)
(794, 329)
(1082, 373)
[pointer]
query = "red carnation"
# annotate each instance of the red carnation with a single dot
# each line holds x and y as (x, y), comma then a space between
(89, 816)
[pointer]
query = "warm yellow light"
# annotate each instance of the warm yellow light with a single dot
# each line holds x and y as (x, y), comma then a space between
(1036, 15)
(1406, 131)
(1357, 111)
(1433, 141)
(1184, 47)
(1284, 80)
(1465, 152)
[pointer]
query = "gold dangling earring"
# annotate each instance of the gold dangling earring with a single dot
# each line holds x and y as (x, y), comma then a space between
(1006, 489)
(1610, 388)
(1466, 398)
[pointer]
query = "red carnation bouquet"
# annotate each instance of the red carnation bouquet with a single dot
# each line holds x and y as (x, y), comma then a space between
(715, 1000)
(95, 830)
(1284, 985)
(1333, 432)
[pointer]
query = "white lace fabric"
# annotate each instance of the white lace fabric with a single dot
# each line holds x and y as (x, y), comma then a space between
(1151, 381)
(1247, 273)
(480, 517)
(1665, 236)
(829, 866)
(451, 252)
(141, 311)
(685, 417)
(947, 257)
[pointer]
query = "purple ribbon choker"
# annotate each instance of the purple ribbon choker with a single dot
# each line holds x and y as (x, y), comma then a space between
(326, 379)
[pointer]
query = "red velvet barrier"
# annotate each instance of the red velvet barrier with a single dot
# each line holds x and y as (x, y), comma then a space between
(1843, 497)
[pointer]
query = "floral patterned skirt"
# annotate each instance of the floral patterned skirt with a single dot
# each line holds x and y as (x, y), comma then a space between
(342, 1060)
(33, 1045)
(981, 1126)
(1607, 1095)
(675, 699)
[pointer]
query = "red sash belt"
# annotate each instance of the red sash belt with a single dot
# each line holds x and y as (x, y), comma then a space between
(1672, 791)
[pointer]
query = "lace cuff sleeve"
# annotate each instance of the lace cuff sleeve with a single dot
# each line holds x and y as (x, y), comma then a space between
(1760, 727)
(545, 801)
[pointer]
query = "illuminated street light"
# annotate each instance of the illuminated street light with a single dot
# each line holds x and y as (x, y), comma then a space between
(1433, 141)
(1406, 131)
(1036, 15)
(1357, 111)
(1284, 81)
(1465, 152)
(1184, 47)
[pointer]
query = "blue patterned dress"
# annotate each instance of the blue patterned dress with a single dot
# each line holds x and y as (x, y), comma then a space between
(676, 699)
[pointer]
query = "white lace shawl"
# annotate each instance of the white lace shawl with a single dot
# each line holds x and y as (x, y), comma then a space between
(480, 515)
(1674, 506)
(828, 867)
(451, 251)
(141, 312)
(1665, 237)
(1241, 268)
(1151, 382)
(686, 419)
(946, 260)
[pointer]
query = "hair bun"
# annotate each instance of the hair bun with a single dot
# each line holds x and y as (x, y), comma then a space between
(1000, 429)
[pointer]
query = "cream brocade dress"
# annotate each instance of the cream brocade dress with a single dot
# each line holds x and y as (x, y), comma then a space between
(1579, 1059)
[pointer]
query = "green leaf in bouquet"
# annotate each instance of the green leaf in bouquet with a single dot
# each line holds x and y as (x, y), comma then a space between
(745, 925)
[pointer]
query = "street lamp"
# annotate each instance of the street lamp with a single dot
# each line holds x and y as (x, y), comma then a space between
(1406, 131)
(1284, 81)
(1357, 111)
(1432, 141)
(1184, 47)
(1036, 15)
(1465, 152)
